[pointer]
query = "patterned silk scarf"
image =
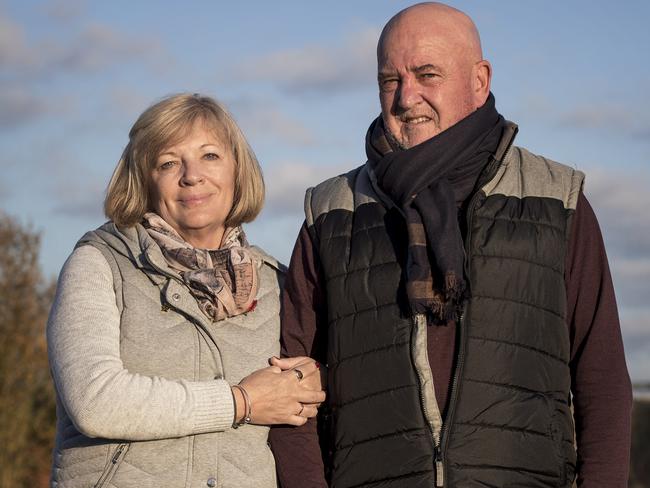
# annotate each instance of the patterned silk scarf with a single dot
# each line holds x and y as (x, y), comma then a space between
(224, 281)
(429, 182)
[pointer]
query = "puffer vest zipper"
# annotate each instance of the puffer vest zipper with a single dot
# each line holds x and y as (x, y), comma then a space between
(509, 422)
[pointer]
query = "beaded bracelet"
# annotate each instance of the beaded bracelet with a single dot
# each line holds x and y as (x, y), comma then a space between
(248, 410)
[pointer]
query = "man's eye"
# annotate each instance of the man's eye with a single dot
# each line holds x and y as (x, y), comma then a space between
(388, 84)
(428, 76)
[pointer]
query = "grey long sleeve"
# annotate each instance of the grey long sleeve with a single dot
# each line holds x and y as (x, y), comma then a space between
(101, 397)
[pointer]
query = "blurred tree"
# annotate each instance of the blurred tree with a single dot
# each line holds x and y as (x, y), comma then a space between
(27, 405)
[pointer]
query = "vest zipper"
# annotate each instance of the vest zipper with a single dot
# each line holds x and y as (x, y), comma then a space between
(453, 396)
(110, 469)
(440, 476)
(164, 307)
(433, 419)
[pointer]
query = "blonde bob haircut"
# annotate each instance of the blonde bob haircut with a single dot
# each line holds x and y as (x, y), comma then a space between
(164, 124)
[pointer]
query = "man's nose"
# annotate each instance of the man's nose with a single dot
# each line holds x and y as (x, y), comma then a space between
(409, 93)
(192, 172)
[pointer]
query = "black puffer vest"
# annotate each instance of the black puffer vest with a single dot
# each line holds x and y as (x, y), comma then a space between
(509, 421)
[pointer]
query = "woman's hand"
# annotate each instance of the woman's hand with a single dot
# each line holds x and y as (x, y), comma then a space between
(282, 397)
(311, 381)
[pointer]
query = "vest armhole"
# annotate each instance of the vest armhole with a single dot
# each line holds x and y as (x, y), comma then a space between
(332, 194)
(309, 215)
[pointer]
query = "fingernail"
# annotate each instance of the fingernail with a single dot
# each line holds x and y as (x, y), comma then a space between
(317, 364)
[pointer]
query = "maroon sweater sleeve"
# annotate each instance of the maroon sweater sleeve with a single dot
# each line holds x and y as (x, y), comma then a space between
(602, 392)
(296, 449)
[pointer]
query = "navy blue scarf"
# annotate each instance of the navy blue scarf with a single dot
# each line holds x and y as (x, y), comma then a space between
(429, 182)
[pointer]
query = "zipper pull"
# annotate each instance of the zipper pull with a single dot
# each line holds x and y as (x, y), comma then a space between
(117, 454)
(440, 475)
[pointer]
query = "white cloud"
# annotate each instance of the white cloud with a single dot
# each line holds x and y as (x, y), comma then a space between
(127, 102)
(64, 10)
(635, 321)
(19, 106)
(621, 200)
(13, 46)
(263, 119)
(4, 191)
(632, 279)
(638, 360)
(635, 325)
(286, 184)
(318, 68)
(611, 116)
(77, 188)
(98, 47)
(634, 269)
(93, 48)
(80, 196)
(29, 65)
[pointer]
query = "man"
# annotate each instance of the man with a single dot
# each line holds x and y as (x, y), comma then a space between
(458, 290)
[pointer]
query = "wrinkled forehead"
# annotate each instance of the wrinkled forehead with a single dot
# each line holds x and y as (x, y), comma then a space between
(413, 48)
(429, 33)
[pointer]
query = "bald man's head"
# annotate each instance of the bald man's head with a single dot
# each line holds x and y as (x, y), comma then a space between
(431, 71)
(446, 20)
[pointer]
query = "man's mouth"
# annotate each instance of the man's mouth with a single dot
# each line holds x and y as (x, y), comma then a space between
(415, 120)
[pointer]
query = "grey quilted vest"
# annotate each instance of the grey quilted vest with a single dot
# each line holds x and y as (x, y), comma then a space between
(164, 333)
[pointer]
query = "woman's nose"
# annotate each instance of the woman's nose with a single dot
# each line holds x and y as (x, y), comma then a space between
(192, 173)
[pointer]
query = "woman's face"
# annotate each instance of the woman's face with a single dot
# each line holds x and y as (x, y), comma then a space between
(192, 186)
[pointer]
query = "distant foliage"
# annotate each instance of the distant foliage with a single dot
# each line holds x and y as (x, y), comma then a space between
(640, 466)
(27, 405)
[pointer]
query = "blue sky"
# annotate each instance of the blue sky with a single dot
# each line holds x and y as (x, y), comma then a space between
(300, 79)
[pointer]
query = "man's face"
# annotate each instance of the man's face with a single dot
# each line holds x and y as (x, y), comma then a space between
(425, 82)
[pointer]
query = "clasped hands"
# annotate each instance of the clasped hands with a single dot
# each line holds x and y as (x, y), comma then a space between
(287, 392)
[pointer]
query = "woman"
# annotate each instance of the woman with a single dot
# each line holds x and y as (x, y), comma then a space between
(165, 318)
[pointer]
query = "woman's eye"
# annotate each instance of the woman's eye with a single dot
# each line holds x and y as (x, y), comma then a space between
(166, 165)
(211, 156)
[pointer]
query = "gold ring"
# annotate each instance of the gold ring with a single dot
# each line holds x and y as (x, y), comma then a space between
(299, 374)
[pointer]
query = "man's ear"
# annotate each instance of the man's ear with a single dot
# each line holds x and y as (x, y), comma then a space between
(481, 78)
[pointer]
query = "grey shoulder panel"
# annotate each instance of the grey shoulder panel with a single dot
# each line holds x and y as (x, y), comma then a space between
(524, 174)
(335, 193)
